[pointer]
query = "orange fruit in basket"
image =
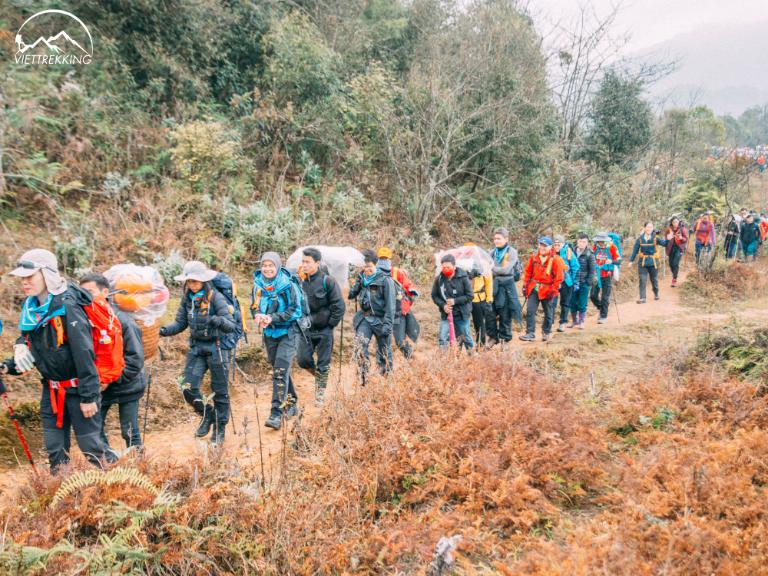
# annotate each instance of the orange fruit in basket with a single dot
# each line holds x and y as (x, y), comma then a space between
(132, 283)
(135, 292)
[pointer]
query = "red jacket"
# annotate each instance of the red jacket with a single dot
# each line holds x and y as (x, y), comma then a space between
(546, 276)
(704, 230)
(602, 256)
(399, 276)
(680, 238)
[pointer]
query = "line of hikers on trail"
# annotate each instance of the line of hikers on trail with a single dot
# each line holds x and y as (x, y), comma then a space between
(90, 355)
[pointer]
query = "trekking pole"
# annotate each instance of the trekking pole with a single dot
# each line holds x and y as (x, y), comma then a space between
(451, 329)
(12, 416)
(341, 351)
(146, 404)
(616, 303)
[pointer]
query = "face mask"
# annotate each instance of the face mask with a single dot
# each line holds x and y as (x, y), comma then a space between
(447, 271)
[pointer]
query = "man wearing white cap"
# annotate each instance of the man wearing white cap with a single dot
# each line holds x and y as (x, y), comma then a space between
(56, 338)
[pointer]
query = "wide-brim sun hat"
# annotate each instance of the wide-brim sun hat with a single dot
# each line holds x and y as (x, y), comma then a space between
(195, 270)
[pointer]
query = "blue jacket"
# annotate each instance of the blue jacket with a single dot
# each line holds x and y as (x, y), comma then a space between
(572, 273)
(280, 298)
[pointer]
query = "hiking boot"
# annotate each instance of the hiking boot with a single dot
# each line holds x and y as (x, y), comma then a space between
(574, 321)
(217, 439)
(491, 342)
(641, 301)
(545, 337)
(528, 337)
(655, 296)
(561, 328)
(206, 423)
(275, 421)
(582, 319)
(674, 283)
(319, 397)
(602, 320)
(321, 383)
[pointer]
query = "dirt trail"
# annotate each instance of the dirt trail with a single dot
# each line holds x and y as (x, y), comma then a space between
(577, 352)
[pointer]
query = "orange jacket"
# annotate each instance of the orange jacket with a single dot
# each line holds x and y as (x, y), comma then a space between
(399, 276)
(763, 230)
(545, 276)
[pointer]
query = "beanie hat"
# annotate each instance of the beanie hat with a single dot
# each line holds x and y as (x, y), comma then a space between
(273, 257)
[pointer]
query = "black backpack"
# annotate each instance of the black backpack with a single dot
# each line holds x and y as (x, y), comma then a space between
(224, 284)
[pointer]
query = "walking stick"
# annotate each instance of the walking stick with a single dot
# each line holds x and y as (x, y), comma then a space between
(341, 351)
(616, 303)
(12, 416)
(146, 404)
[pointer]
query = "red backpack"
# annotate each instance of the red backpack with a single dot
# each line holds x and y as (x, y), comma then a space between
(107, 339)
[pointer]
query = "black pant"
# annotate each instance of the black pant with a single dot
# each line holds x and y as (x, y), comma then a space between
(280, 352)
(129, 422)
(564, 300)
(479, 317)
(601, 295)
(505, 308)
(675, 256)
(643, 273)
(318, 342)
(406, 327)
(87, 432)
(201, 358)
(364, 332)
(549, 314)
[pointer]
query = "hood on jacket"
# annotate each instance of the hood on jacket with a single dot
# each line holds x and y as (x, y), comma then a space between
(279, 283)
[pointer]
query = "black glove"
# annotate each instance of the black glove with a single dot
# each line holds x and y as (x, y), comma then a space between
(214, 321)
(163, 331)
(386, 331)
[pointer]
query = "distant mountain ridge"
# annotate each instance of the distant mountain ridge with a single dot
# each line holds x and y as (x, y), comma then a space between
(723, 67)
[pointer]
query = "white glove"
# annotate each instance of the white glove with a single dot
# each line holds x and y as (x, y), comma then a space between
(23, 358)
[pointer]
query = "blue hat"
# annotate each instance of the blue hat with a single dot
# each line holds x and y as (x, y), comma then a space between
(545, 240)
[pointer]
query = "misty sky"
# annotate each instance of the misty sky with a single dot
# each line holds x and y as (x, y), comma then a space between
(652, 21)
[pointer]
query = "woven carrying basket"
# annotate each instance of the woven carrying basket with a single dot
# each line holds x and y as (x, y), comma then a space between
(150, 337)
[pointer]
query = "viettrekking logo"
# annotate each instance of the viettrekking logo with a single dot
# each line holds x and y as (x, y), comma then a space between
(53, 37)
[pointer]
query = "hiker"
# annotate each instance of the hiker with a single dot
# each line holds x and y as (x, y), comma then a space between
(647, 248)
(482, 301)
(542, 279)
(374, 291)
(586, 278)
(607, 258)
(506, 304)
(452, 293)
(205, 311)
(677, 243)
(763, 224)
(406, 326)
(57, 339)
(278, 307)
(570, 283)
(128, 390)
(704, 232)
(326, 309)
(732, 233)
(750, 237)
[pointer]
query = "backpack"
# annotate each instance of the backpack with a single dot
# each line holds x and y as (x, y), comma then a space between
(304, 321)
(107, 339)
(226, 287)
(616, 240)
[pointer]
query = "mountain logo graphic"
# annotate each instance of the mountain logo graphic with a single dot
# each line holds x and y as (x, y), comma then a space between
(53, 37)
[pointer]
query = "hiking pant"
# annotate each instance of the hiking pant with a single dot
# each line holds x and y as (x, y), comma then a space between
(318, 342)
(675, 256)
(462, 330)
(479, 317)
(533, 306)
(506, 307)
(750, 249)
(580, 299)
(601, 295)
(364, 332)
(564, 301)
(201, 358)
(280, 352)
(701, 249)
(731, 245)
(406, 327)
(129, 422)
(87, 432)
(643, 272)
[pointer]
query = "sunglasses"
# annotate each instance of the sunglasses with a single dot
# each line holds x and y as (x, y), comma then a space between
(29, 265)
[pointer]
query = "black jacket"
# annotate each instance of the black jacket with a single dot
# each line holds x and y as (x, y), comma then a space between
(75, 358)
(457, 287)
(749, 233)
(587, 273)
(376, 301)
(326, 306)
(646, 248)
(130, 386)
(206, 319)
